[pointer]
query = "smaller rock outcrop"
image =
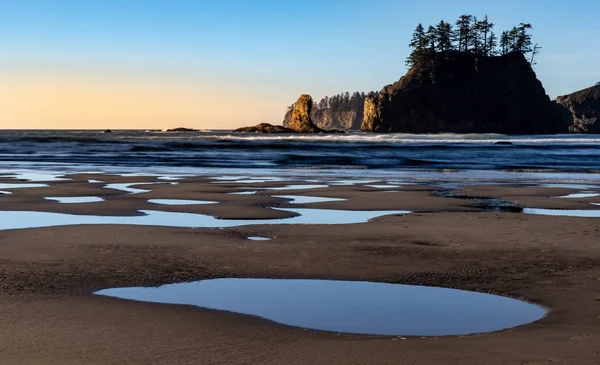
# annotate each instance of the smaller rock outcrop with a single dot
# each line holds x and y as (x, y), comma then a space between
(584, 106)
(265, 128)
(107, 131)
(301, 121)
(181, 129)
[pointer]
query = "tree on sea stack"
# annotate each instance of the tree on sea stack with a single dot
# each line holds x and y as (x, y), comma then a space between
(470, 37)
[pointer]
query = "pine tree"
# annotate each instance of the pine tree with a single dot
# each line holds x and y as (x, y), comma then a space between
(505, 43)
(492, 43)
(522, 42)
(444, 36)
(462, 32)
(418, 43)
(483, 29)
(431, 40)
(534, 52)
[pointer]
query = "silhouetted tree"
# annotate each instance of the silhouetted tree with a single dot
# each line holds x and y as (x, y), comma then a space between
(443, 32)
(534, 52)
(431, 36)
(505, 43)
(463, 32)
(492, 43)
(522, 38)
(483, 29)
(418, 43)
(469, 36)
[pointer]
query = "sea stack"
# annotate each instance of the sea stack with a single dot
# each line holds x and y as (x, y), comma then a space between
(301, 121)
(465, 93)
(584, 107)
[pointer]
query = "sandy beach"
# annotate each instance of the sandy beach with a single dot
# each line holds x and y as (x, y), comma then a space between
(48, 275)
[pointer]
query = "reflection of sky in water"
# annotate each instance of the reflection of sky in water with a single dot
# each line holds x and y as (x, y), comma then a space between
(257, 238)
(5, 192)
(383, 186)
(95, 181)
(346, 306)
(179, 202)
(21, 186)
(570, 186)
(76, 199)
(20, 219)
(579, 195)
(127, 187)
(244, 193)
(350, 182)
(35, 176)
(247, 181)
(298, 187)
(299, 199)
(563, 212)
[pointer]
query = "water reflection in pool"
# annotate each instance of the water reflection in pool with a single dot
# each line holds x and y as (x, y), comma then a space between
(179, 202)
(21, 186)
(579, 195)
(564, 212)
(258, 238)
(298, 187)
(22, 219)
(300, 199)
(350, 307)
(127, 187)
(76, 199)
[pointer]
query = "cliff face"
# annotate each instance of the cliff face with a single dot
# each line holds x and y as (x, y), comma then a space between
(328, 119)
(584, 106)
(464, 93)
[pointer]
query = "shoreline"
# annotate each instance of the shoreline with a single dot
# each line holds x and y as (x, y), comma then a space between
(49, 275)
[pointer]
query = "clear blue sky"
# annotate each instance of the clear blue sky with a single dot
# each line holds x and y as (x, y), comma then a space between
(276, 49)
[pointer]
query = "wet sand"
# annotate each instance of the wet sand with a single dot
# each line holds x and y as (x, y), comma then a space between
(48, 275)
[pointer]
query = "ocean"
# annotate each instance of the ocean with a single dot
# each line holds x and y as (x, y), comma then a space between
(550, 158)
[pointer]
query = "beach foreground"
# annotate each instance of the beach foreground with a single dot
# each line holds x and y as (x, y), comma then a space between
(48, 275)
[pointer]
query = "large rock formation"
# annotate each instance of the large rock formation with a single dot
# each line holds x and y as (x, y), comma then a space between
(464, 93)
(584, 106)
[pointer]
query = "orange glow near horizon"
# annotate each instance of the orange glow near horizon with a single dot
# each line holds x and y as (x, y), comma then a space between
(105, 102)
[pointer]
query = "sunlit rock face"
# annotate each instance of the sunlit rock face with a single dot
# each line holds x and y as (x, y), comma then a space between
(584, 106)
(301, 121)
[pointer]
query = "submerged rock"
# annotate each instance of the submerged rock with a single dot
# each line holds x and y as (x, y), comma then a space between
(465, 93)
(107, 131)
(584, 109)
(507, 143)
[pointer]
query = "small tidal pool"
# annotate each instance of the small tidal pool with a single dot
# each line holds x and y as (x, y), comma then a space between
(348, 306)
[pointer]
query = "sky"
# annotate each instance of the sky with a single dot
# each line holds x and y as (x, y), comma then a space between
(146, 64)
